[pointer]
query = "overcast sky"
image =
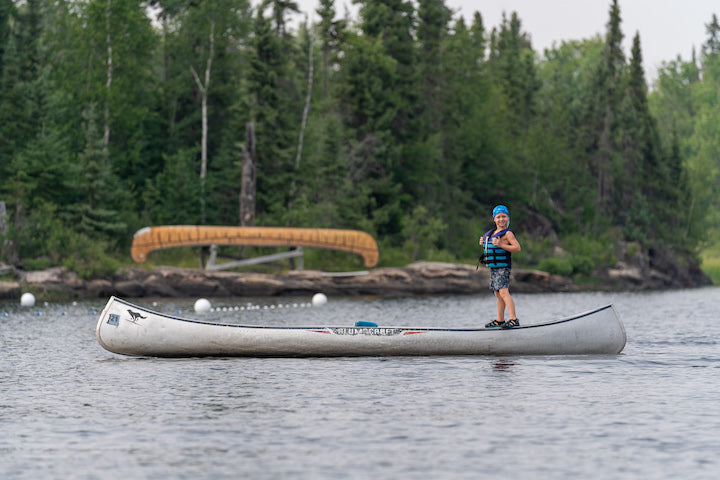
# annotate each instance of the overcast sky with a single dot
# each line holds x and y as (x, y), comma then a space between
(668, 28)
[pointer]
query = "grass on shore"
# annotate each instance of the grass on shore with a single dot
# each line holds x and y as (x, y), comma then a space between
(711, 267)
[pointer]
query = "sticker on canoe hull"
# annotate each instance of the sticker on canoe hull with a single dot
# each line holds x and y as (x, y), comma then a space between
(113, 319)
(135, 316)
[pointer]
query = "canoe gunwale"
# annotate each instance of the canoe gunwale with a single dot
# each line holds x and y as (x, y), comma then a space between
(315, 327)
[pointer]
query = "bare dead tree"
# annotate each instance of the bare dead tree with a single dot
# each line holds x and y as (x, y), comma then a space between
(247, 187)
(109, 78)
(308, 96)
(203, 88)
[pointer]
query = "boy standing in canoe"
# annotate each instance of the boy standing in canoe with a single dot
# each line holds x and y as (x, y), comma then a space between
(498, 245)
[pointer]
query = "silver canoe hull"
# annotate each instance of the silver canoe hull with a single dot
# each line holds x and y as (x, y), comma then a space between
(128, 329)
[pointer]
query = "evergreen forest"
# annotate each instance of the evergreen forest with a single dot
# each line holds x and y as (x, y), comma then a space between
(408, 122)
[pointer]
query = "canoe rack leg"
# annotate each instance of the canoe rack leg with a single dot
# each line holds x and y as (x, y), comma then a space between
(296, 252)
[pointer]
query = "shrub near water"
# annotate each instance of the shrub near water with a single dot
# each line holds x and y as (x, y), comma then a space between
(581, 255)
(556, 266)
(44, 241)
(599, 251)
(711, 267)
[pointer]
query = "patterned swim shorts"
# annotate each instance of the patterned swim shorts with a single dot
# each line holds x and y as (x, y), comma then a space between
(499, 278)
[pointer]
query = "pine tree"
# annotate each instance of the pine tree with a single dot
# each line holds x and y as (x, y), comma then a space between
(512, 66)
(380, 98)
(711, 47)
(276, 113)
(202, 88)
(640, 170)
(39, 169)
(473, 136)
(96, 187)
(565, 190)
(7, 12)
(433, 18)
(332, 33)
(512, 69)
(106, 52)
(599, 127)
(392, 24)
(12, 104)
(704, 150)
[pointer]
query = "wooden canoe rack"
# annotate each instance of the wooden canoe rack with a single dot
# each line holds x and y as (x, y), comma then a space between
(148, 239)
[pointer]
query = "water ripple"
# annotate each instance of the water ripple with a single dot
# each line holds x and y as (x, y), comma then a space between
(69, 409)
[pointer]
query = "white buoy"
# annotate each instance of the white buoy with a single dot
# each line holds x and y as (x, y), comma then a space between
(27, 299)
(202, 305)
(319, 299)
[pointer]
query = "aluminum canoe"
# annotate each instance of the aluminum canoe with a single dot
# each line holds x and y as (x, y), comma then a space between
(129, 329)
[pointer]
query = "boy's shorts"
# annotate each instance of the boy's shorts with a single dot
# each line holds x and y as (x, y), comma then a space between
(499, 278)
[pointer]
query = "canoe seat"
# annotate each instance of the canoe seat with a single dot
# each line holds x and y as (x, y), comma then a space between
(365, 323)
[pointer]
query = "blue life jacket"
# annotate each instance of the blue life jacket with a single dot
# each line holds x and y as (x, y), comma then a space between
(493, 256)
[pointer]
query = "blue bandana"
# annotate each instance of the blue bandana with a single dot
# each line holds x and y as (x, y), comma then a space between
(501, 209)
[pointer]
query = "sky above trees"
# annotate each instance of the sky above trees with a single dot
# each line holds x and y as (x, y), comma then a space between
(668, 28)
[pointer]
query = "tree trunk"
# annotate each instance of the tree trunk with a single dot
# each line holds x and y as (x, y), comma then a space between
(247, 187)
(109, 79)
(203, 88)
(306, 110)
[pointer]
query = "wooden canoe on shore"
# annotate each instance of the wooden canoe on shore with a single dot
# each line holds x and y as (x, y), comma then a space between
(148, 239)
(128, 329)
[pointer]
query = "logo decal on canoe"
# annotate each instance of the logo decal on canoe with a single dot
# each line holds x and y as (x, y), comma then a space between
(113, 319)
(382, 332)
(135, 316)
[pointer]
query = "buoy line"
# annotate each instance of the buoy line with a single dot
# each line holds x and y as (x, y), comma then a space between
(202, 305)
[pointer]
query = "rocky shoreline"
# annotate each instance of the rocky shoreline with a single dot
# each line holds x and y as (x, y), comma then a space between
(423, 278)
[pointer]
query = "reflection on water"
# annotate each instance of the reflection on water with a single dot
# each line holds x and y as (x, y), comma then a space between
(503, 365)
(69, 409)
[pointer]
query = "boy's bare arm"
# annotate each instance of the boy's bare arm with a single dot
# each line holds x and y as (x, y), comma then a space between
(509, 242)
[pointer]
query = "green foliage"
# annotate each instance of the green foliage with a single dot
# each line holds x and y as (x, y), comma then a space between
(421, 232)
(391, 256)
(533, 252)
(579, 255)
(89, 258)
(177, 190)
(567, 265)
(331, 261)
(582, 265)
(711, 267)
(418, 123)
(43, 240)
(556, 266)
(599, 250)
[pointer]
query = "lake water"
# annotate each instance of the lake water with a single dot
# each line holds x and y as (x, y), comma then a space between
(71, 410)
